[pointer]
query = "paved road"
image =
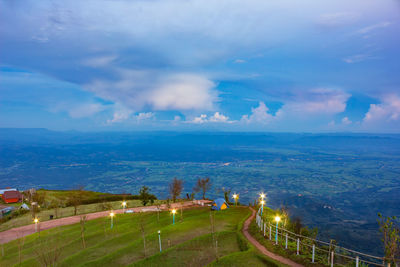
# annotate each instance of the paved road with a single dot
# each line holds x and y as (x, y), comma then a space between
(18, 232)
(261, 248)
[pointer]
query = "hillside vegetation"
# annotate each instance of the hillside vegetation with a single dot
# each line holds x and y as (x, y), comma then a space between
(189, 242)
(57, 203)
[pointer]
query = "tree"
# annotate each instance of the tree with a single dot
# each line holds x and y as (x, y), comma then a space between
(48, 250)
(141, 223)
(227, 193)
(56, 204)
(144, 195)
(214, 235)
(83, 228)
(175, 188)
(75, 199)
(297, 225)
(203, 185)
(391, 237)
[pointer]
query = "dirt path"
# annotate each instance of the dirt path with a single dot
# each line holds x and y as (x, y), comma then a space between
(18, 232)
(260, 247)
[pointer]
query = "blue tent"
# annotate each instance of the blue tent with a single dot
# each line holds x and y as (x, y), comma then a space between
(219, 204)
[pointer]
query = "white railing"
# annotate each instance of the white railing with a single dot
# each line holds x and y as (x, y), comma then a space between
(330, 253)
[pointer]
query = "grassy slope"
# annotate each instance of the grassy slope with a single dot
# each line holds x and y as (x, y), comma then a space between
(190, 242)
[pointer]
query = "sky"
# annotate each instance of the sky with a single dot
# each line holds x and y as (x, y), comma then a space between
(281, 66)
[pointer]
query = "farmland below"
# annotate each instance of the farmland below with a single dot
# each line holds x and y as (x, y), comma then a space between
(337, 182)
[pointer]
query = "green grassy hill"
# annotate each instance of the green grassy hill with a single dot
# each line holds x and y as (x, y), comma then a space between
(187, 243)
(90, 202)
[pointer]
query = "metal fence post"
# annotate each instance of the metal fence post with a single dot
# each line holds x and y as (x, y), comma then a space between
(313, 253)
(286, 241)
(357, 261)
(270, 232)
(298, 246)
(265, 225)
(332, 254)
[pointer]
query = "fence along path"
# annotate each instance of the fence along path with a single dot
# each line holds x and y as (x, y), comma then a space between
(320, 251)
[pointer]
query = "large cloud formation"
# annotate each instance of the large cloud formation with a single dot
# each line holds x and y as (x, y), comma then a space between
(175, 57)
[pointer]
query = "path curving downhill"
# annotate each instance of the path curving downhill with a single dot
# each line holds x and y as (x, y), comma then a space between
(18, 232)
(260, 247)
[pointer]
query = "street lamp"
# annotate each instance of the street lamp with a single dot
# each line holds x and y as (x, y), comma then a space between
(123, 206)
(112, 216)
(262, 196)
(173, 215)
(36, 221)
(277, 219)
(262, 206)
(235, 197)
(159, 239)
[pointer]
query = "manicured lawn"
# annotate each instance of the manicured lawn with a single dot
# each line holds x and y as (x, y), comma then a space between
(188, 242)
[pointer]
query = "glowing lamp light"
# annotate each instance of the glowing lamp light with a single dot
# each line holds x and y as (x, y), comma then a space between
(262, 195)
(277, 220)
(262, 202)
(173, 215)
(234, 196)
(124, 204)
(111, 217)
(36, 220)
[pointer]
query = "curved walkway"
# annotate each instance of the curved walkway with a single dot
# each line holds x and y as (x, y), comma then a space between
(18, 232)
(261, 248)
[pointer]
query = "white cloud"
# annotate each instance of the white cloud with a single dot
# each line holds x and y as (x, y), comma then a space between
(317, 101)
(145, 116)
(259, 115)
(201, 119)
(100, 61)
(183, 92)
(240, 61)
(358, 58)
(78, 111)
(386, 112)
(217, 117)
(157, 90)
(85, 110)
(333, 20)
(120, 116)
(373, 27)
(346, 121)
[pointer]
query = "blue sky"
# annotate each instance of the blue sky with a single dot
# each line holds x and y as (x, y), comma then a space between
(299, 66)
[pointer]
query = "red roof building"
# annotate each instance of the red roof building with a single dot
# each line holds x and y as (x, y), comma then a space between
(11, 196)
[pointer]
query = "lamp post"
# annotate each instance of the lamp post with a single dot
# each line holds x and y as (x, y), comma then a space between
(235, 197)
(36, 221)
(159, 239)
(112, 216)
(262, 196)
(277, 220)
(123, 206)
(262, 206)
(173, 211)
